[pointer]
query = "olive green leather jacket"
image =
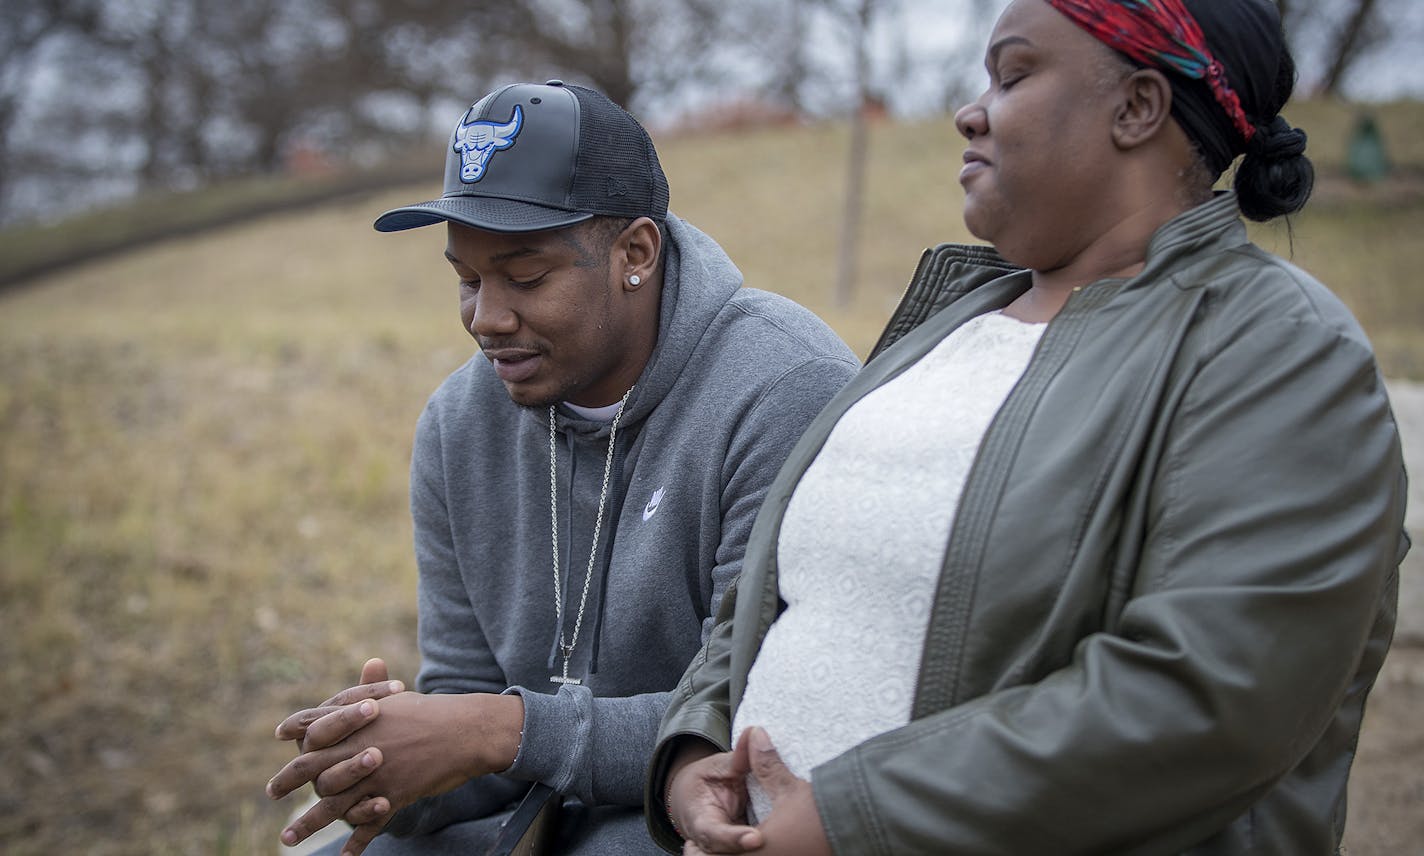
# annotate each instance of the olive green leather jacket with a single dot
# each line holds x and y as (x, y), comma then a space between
(1171, 580)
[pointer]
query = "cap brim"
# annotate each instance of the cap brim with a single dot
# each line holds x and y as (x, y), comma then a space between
(480, 212)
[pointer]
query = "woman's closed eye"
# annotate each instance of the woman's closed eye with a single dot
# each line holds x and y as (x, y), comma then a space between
(1008, 77)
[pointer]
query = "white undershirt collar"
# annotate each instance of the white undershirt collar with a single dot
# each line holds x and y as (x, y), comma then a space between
(596, 414)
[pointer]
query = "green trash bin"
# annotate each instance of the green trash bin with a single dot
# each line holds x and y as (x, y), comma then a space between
(1366, 158)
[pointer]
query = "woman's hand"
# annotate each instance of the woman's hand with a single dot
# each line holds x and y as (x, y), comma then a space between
(707, 800)
(794, 825)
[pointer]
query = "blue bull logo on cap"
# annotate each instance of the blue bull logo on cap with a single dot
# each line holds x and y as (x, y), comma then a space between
(478, 141)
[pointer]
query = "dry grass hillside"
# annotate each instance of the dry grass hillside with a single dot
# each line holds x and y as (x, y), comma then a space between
(203, 452)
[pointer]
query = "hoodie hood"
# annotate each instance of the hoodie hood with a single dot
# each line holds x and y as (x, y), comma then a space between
(684, 316)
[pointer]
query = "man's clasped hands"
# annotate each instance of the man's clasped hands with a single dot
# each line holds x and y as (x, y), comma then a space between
(375, 748)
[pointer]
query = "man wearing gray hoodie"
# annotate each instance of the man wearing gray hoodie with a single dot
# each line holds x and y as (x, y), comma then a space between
(582, 489)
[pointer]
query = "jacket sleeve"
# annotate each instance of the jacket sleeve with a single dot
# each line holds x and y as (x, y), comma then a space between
(1269, 563)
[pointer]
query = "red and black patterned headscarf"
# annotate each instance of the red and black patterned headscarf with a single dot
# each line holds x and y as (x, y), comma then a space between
(1222, 58)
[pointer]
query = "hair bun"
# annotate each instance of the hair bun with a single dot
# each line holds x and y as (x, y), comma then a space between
(1277, 140)
(1275, 177)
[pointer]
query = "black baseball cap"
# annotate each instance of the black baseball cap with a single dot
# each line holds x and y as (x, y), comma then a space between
(531, 156)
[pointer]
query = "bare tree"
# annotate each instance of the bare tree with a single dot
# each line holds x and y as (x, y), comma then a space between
(26, 28)
(719, 50)
(161, 45)
(859, 13)
(857, 19)
(793, 68)
(593, 38)
(1354, 38)
(193, 90)
(179, 92)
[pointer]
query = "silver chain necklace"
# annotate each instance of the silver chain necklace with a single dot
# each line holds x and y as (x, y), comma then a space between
(567, 649)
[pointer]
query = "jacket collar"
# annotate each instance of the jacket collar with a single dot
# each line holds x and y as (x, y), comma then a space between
(949, 272)
(1213, 225)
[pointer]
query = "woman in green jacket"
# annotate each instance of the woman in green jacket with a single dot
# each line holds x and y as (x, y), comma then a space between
(1099, 553)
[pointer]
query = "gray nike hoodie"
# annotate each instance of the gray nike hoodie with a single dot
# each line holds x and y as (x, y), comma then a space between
(736, 376)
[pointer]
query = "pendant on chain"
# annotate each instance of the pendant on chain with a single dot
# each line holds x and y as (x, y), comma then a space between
(567, 651)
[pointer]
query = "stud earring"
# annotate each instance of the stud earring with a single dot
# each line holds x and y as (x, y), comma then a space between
(635, 280)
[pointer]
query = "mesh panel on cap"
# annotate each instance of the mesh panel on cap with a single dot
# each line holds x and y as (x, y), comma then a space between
(616, 174)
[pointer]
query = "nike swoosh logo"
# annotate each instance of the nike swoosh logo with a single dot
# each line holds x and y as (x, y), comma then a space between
(652, 507)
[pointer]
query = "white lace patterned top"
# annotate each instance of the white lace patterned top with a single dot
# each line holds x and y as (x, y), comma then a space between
(862, 544)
